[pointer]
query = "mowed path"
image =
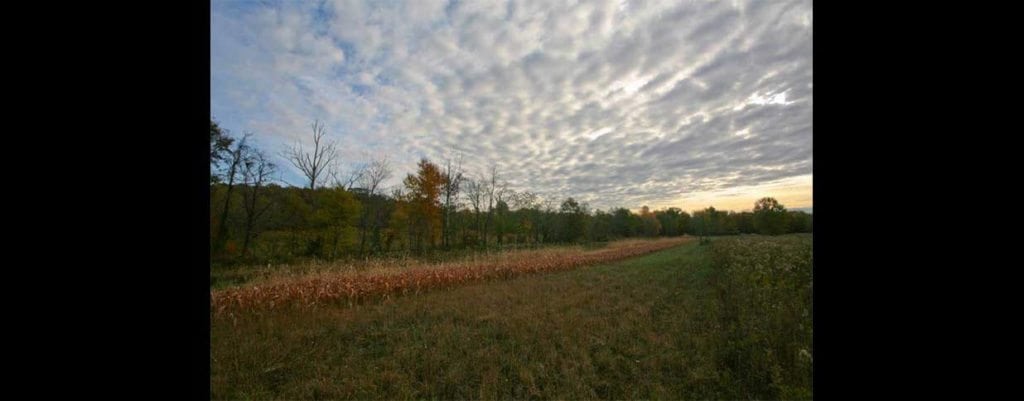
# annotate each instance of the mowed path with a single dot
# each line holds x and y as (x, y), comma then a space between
(629, 329)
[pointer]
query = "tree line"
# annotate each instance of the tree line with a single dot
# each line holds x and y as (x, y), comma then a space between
(439, 207)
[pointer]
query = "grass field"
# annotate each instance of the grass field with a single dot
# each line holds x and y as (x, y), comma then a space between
(656, 326)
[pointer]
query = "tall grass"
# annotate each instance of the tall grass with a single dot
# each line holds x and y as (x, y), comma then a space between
(763, 287)
(729, 321)
(622, 330)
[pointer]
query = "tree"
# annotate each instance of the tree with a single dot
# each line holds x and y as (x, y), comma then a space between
(548, 221)
(335, 215)
(685, 223)
(669, 220)
(501, 223)
(526, 215)
(378, 171)
(475, 190)
(769, 217)
(452, 181)
(729, 223)
(599, 229)
(745, 222)
(220, 148)
(314, 165)
(424, 197)
(374, 174)
(621, 226)
(397, 221)
(347, 179)
(256, 171)
(799, 222)
(651, 225)
(495, 192)
(234, 160)
(294, 216)
(707, 222)
(572, 214)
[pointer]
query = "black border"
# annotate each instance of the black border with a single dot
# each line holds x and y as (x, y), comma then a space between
(170, 269)
(175, 260)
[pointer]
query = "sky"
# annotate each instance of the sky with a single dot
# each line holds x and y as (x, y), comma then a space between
(625, 103)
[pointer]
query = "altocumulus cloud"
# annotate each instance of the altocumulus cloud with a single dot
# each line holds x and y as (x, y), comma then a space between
(622, 102)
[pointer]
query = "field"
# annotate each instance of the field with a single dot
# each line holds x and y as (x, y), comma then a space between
(331, 283)
(725, 321)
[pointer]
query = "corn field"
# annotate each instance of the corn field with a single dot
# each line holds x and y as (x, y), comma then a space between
(322, 289)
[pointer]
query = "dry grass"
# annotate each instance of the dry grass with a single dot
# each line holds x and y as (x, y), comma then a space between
(623, 330)
(325, 284)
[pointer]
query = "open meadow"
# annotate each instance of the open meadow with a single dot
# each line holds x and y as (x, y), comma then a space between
(666, 319)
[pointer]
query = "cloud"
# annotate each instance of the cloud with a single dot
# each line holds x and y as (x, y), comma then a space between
(612, 102)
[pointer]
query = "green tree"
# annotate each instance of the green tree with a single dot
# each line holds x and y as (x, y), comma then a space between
(685, 221)
(650, 225)
(399, 230)
(708, 222)
(744, 222)
(374, 205)
(336, 214)
(621, 226)
(799, 222)
(670, 220)
(770, 217)
(571, 215)
(600, 227)
(730, 223)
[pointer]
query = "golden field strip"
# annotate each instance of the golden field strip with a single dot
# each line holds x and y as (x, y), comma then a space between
(383, 281)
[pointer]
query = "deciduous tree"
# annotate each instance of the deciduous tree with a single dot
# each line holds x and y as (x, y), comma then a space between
(233, 161)
(769, 217)
(315, 164)
(257, 171)
(424, 196)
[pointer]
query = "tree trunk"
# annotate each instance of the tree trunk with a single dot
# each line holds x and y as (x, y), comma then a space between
(444, 228)
(222, 231)
(487, 224)
(248, 236)
(363, 228)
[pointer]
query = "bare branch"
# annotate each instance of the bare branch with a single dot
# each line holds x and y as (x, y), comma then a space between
(475, 190)
(314, 165)
(346, 179)
(378, 171)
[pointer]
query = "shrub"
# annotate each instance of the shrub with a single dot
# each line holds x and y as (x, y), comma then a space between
(763, 288)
